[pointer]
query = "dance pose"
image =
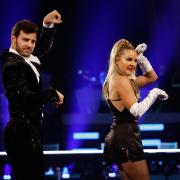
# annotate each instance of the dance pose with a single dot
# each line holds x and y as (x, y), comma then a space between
(22, 135)
(123, 144)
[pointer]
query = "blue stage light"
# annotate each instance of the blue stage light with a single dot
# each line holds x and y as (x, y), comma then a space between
(6, 177)
(151, 127)
(112, 175)
(151, 142)
(65, 173)
(49, 172)
(86, 135)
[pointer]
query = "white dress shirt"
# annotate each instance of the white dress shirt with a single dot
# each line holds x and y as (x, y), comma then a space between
(29, 61)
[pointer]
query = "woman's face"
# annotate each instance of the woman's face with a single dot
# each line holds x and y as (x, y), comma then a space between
(127, 62)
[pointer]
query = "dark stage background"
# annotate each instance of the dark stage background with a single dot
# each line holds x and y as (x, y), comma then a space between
(78, 61)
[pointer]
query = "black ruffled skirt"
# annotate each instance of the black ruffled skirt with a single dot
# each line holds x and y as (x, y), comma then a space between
(123, 143)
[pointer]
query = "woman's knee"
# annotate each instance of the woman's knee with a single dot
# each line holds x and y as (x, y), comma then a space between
(123, 175)
(136, 170)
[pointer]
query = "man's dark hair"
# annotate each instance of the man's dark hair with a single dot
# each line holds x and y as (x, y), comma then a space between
(24, 25)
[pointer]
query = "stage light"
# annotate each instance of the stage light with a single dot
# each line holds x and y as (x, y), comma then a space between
(7, 177)
(65, 173)
(112, 175)
(7, 171)
(86, 135)
(151, 127)
(151, 142)
(49, 172)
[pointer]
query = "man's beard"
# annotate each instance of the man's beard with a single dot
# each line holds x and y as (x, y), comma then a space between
(20, 51)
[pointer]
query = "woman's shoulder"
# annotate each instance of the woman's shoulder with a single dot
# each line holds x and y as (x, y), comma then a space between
(119, 79)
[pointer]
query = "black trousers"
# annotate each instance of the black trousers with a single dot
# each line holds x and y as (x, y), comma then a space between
(23, 144)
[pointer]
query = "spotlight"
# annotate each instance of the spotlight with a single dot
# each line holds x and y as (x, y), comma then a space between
(65, 173)
(49, 172)
(7, 172)
(6, 177)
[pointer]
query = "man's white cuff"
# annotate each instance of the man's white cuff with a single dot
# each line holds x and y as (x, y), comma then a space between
(48, 25)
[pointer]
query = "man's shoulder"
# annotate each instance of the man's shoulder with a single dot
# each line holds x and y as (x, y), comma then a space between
(10, 59)
(10, 56)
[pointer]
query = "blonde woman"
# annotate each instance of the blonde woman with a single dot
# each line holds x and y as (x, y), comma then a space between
(123, 144)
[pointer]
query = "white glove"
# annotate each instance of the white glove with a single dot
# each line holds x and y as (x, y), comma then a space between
(144, 63)
(141, 48)
(138, 109)
(142, 60)
(162, 95)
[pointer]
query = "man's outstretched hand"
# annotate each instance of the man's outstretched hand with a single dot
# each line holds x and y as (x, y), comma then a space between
(60, 100)
(53, 17)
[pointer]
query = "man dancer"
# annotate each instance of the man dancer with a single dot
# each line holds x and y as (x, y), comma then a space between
(20, 70)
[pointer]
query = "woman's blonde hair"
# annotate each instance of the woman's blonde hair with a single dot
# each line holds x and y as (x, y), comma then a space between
(117, 50)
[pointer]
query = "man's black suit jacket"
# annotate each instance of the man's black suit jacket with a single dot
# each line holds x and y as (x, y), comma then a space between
(24, 93)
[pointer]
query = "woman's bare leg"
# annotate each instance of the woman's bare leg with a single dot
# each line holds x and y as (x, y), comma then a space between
(123, 175)
(137, 170)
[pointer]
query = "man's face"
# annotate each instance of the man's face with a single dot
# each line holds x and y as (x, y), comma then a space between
(24, 43)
